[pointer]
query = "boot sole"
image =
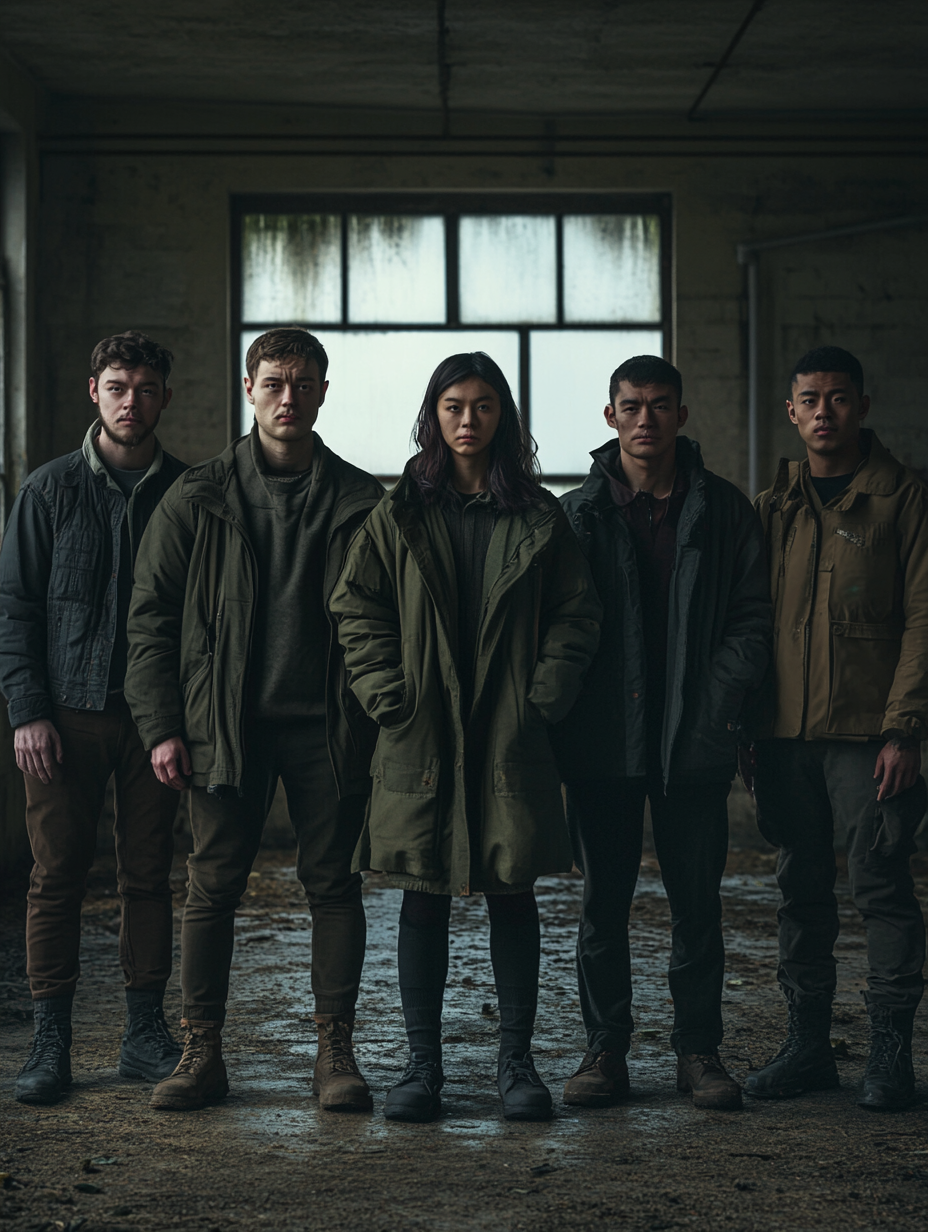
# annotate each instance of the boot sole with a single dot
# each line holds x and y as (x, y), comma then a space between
(529, 1115)
(168, 1103)
(592, 1101)
(361, 1103)
(829, 1083)
(896, 1106)
(42, 1100)
(130, 1071)
(415, 1116)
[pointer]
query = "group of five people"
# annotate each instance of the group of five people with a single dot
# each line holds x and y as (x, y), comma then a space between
(432, 673)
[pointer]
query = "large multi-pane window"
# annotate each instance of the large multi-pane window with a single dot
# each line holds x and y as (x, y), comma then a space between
(558, 289)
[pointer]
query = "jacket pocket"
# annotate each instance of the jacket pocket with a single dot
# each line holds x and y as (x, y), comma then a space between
(521, 778)
(896, 822)
(404, 817)
(198, 702)
(863, 664)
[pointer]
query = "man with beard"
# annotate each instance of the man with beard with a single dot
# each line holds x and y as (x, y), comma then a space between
(65, 582)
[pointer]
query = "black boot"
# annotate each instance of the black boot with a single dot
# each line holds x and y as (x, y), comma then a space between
(805, 1062)
(148, 1051)
(889, 1080)
(525, 1097)
(47, 1073)
(416, 1097)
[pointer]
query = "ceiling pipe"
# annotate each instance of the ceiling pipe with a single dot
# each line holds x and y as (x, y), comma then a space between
(726, 56)
(748, 257)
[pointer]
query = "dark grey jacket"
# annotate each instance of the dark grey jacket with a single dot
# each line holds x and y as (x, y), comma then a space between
(718, 641)
(58, 569)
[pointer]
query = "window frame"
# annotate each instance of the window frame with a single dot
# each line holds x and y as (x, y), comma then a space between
(451, 206)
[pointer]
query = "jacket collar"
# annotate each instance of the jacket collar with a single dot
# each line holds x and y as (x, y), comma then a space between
(879, 474)
(596, 487)
(94, 461)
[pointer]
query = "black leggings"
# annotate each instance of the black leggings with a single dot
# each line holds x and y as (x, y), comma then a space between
(515, 948)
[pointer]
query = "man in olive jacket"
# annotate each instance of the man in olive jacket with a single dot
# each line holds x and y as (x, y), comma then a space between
(236, 680)
(677, 556)
(847, 534)
(65, 581)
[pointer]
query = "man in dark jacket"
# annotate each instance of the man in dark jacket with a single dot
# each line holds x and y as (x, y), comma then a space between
(677, 556)
(236, 680)
(65, 581)
(847, 533)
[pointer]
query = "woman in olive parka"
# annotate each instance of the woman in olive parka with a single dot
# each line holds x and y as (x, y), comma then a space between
(468, 619)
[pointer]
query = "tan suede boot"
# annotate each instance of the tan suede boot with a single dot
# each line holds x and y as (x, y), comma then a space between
(601, 1080)
(200, 1077)
(706, 1077)
(336, 1078)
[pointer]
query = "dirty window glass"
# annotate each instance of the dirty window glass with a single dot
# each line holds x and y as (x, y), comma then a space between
(570, 371)
(369, 420)
(508, 269)
(612, 268)
(291, 268)
(396, 269)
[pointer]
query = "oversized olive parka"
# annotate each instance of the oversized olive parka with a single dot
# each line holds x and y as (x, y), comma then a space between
(850, 595)
(192, 615)
(448, 784)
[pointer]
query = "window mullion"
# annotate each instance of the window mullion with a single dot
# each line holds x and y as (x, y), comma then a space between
(344, 251)
(452, 270)
(559, 265)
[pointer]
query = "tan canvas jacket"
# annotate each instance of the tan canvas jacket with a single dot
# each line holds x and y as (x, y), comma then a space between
(850, 597)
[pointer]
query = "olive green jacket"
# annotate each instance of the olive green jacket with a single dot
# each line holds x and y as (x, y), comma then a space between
(452, 813)
(192, 614)
(850, 593)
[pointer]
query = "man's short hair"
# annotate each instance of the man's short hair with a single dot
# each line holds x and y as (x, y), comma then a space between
(285, 342)
(646, 370)
(829, 359)
(131, 350)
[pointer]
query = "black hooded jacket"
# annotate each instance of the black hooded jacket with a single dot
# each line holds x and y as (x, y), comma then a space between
(719, 632)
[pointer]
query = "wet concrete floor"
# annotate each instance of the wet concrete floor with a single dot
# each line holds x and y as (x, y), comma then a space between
(268, 1158)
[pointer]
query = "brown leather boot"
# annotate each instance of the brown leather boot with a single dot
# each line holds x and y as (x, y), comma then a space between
(601, 1079)
(337, 1080)
(200, 1077)
(705, 1075)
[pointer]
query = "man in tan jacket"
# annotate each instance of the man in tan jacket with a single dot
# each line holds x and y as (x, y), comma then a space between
(847, 537)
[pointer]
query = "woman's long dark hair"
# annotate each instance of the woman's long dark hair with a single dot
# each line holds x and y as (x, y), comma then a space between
(512, 475)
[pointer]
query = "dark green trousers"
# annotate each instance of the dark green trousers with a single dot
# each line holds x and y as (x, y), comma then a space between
(226, 836)
(811, 793)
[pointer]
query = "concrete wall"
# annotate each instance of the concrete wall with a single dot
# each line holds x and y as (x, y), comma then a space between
(133, 239)
(20, 103)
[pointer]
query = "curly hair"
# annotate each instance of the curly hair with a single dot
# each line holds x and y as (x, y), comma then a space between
(132, 349)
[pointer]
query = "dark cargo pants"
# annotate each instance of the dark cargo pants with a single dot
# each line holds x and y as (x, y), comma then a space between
(690, 824)
(226, 836)
(810, 792)
(61, 819)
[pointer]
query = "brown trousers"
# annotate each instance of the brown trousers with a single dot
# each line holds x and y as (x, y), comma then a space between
(226, 836)
(62, 817)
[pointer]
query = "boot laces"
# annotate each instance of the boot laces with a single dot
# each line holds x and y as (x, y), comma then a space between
(48, 1044)
(590, 1060)
(196, 1053)
(152, 1027)
(886, 1047)
(522, 1069)
(710, 1061)
(341, 1054)
(427, 1072)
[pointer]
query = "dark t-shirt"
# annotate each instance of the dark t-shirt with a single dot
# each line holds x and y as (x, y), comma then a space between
(290, 642)
(127, 481)
(653, 526)
(827, 488)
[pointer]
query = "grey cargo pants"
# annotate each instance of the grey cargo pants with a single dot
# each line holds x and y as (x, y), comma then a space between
(810, 793)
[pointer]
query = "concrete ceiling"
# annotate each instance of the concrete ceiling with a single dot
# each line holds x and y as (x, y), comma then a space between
(542, 57)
